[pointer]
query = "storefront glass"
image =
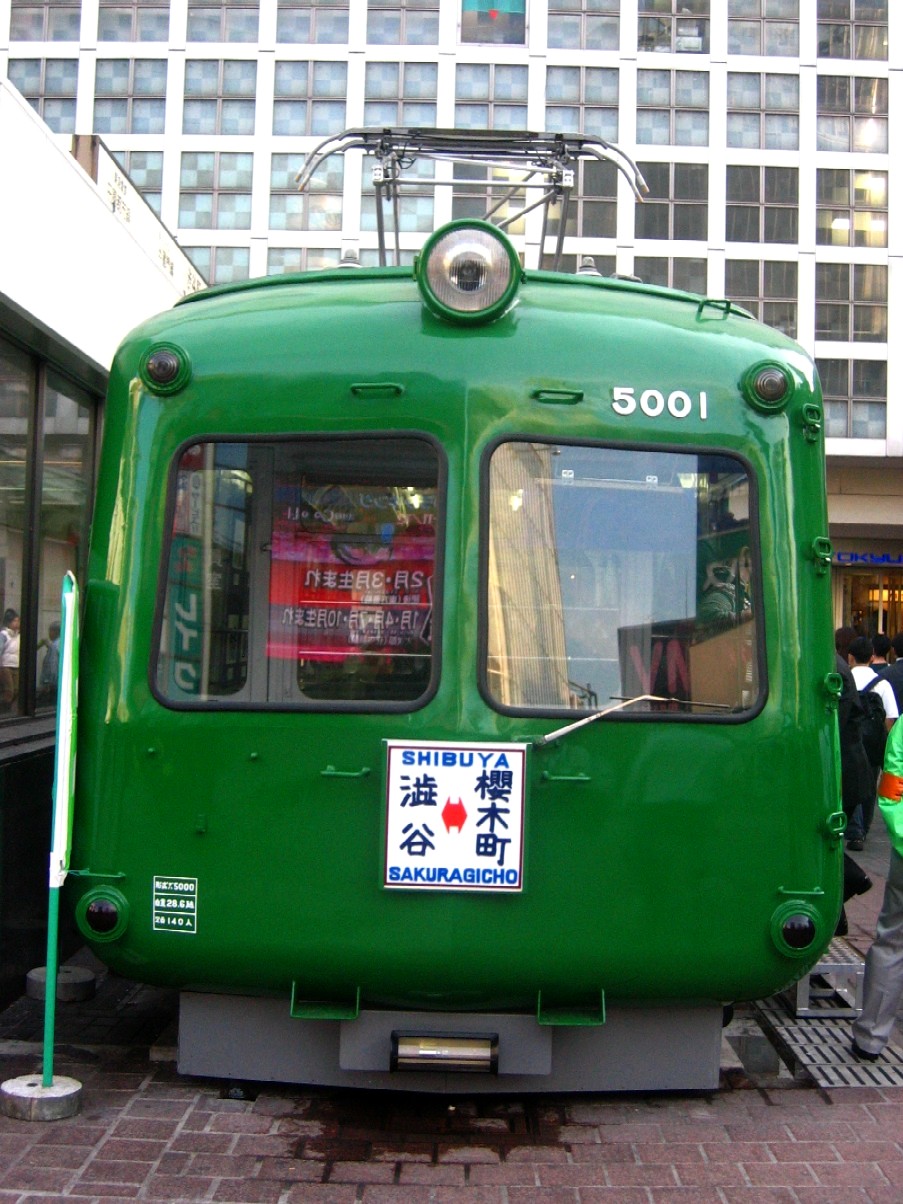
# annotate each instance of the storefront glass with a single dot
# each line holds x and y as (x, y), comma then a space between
(872, 600)
(16, 405)
(46, 473)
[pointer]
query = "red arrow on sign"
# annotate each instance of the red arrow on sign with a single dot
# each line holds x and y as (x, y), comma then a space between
(453, 815)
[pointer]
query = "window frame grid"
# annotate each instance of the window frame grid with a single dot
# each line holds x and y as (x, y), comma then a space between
(218, 190)
(677, 111)
(767, 203)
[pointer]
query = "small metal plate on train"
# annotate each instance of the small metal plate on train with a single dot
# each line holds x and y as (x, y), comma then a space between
(454, 816)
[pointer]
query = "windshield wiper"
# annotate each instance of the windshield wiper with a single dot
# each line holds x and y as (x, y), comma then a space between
(541, 741)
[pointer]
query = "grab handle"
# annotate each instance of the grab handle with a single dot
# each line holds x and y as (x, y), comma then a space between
(331, 772)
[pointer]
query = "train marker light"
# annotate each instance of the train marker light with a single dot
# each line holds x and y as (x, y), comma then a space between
(767, 387)
(798, 931)
(467, 272)
(794, 928)
(103, 914)
(165, 368)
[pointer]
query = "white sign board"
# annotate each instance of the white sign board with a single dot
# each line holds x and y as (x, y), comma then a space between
(454, 816)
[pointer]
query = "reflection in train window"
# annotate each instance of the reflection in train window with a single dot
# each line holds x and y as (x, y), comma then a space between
(615, 573)
(301, 572)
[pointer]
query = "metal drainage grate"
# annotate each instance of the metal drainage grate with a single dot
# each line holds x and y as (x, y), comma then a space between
(820, 1049)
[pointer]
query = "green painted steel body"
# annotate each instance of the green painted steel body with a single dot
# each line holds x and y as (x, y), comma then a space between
(657, 851)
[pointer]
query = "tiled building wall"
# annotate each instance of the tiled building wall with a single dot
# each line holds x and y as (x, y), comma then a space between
(763, 127)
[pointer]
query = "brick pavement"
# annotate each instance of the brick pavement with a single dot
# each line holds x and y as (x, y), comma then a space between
(146, 1133)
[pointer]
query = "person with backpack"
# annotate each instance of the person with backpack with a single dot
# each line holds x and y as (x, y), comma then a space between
(881, 711)
(856, 781)
(893, 672)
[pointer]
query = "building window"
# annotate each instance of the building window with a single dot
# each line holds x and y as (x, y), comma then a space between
(489, 192)
(763, 111)
(221, 265)
(674, 25)
(216, 21)
(138, 21)
(584, 265)
(49, 86)
(145, 170)
(689, 275)
(593, 208)
(369, 258)
(130, 96)
(769, 27)
(672, 108)
(855, 393)
(851, 302)
(584, 100)
(310, 21)
(852, 29)
(403, 22)
(852, 114)
(215, 191)
(400, 94)
(584, 24)
(677, 203)
(490, 96)
(762, 204)
(767, 288)
(284, 260)
(309, 97)
(219, 96)
(319, 207)
(46, 477)
(51, 22)
(487, 21)
(852, 208)
(416, 201)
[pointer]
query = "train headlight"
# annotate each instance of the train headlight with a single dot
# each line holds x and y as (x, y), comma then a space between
(468, 272)
(102, 914)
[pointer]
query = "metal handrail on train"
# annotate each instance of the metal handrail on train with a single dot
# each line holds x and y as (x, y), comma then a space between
(550, 158)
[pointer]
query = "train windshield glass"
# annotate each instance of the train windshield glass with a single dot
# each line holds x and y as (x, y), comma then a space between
(301, 572)
(615, 573)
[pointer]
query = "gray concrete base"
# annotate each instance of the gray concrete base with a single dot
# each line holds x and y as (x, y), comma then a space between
(74, 984)
(638, 1048)
(25, 1098)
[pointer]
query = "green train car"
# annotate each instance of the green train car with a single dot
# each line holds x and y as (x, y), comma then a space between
(457, 705)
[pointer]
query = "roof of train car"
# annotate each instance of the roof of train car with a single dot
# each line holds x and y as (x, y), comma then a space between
(359, 275)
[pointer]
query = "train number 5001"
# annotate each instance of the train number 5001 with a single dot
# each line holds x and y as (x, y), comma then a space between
(654, 402)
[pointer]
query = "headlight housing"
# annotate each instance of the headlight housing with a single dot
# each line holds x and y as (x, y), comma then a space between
(468, 272)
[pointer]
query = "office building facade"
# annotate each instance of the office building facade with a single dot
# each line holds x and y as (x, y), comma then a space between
(763, 128)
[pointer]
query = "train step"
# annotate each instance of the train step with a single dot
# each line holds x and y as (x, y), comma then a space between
(833, 987)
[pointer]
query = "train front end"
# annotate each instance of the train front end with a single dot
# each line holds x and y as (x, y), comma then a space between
(457, 700)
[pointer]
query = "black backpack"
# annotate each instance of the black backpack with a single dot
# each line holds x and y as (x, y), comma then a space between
(874, 729)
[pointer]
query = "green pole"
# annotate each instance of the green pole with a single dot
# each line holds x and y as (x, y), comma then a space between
(63, 797)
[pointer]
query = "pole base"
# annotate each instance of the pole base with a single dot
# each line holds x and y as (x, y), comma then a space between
(25, 1098)
(74, 984)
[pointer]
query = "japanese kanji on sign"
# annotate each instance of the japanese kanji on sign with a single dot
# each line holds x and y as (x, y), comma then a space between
(454, 816)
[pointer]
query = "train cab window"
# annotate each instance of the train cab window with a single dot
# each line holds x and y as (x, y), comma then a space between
(300, 573)
(614, 573)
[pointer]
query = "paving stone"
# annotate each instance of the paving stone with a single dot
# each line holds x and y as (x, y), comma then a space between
(147, 1133)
